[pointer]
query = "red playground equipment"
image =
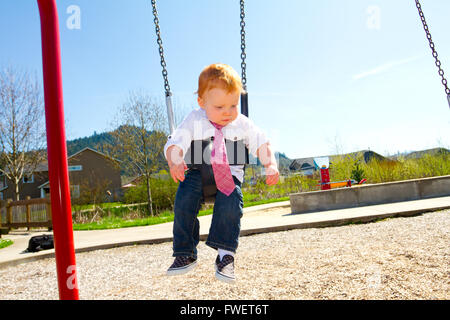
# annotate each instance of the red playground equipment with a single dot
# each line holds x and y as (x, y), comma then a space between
(325, 184)
(57, 152)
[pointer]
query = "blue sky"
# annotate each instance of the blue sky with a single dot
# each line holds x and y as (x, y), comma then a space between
(323, 76)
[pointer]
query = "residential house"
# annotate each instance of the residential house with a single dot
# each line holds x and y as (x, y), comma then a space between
(28, 185)
(89, 171)
(304, 166)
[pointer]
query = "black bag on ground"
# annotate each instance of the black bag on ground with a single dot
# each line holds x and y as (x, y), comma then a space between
(38, 243)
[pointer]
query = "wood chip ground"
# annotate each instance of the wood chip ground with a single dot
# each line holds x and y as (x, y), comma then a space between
(399, 258)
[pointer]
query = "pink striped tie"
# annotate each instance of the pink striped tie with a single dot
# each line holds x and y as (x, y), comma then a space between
(219, 162)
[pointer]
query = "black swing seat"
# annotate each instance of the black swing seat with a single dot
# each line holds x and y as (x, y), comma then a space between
(198, 157)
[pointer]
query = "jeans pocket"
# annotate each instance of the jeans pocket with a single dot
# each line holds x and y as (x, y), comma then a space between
(192, 181)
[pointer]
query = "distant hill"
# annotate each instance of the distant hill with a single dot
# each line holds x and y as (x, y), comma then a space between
(366, 155)
(421, 153)
(96, 142)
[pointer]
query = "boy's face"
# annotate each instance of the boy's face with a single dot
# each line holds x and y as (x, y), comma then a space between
(220, 106)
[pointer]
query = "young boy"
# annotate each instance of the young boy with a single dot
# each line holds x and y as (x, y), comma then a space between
(218, 92)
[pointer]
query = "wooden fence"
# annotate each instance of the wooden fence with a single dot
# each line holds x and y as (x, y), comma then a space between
(30, 213)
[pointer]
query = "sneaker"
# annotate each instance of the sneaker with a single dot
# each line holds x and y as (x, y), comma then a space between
(181, 265)
(225, 268)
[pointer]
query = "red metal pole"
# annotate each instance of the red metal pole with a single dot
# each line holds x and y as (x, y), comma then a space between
(57, 152)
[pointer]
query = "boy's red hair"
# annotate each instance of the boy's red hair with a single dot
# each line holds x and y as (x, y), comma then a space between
(219, 75)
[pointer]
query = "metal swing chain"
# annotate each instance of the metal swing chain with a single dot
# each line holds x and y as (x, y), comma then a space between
(244, 95)
(161, 50)
(433, 49)
(170, 116)
(243, 54)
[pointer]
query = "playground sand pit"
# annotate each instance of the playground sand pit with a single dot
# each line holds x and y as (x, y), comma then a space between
(400, 258)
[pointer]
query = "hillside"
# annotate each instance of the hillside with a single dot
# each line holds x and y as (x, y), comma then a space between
(96, 142)
(421, 153)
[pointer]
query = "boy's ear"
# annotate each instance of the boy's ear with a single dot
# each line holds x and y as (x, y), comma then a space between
(201, 103)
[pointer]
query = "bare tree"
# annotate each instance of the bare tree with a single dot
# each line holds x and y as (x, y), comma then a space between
(141, 136)
(180, 110)
(22, 125)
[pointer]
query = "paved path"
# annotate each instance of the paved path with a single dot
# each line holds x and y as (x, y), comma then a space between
(258, 219)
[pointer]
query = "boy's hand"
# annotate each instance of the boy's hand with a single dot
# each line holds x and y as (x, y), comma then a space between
(267, 158)
(176, 163)
(177, 171)
(272, 175)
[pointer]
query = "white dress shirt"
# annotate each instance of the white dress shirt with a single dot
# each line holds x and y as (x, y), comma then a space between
(196, 126)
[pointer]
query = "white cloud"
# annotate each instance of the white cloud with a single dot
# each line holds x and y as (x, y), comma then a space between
(384, 67)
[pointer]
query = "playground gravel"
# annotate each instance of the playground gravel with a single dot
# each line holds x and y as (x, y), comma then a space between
(399, 258)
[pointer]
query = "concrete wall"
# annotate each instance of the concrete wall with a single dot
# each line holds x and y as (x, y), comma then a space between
(370, 194)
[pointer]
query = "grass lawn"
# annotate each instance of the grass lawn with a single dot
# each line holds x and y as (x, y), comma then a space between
(105, 205)
(5, 243)
(166, 216)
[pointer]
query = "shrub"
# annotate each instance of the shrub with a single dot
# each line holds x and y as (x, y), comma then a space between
(341, 167)
(162, 190)
(357, 173)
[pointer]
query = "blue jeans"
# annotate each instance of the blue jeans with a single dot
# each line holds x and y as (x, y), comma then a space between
(225, 224)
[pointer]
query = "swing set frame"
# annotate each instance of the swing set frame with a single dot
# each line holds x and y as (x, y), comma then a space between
(57, 152)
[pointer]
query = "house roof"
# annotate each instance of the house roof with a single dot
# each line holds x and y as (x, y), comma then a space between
(367, 155)
(43, 166)
(87, 148)
(129, 185)
(302, 164)
(44, 185)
